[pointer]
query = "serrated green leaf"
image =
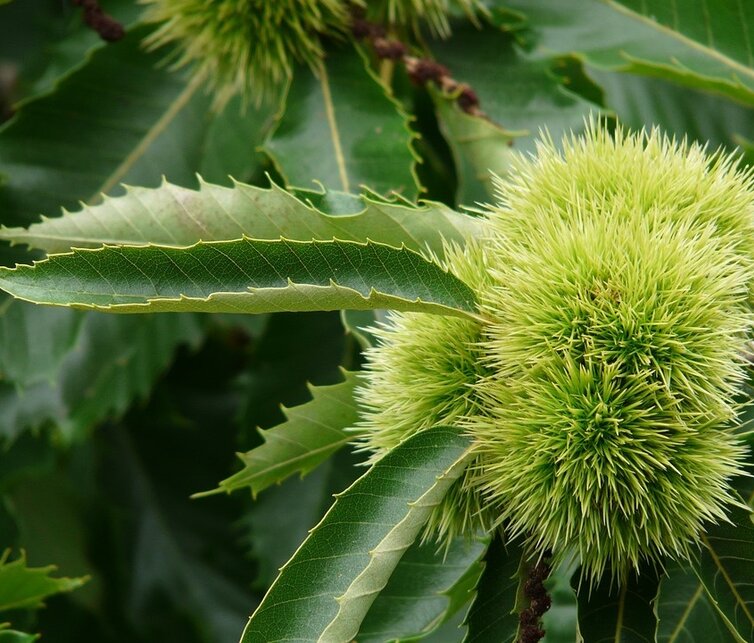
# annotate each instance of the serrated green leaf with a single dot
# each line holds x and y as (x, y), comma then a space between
(452, 631)
(619, 614)
(341, 128)
(107, 363)
(337, 202)
(242, 276)
(493, 615)
(46, 502)
(464, 591)
(685, 613)
(26, 587)
(176, 216)
(232, 141)
(311, 433)
(417, 598)
(326, 589)
(272, 532)
(726, 569)
(116, 361)
(359, 324)
(699, 45)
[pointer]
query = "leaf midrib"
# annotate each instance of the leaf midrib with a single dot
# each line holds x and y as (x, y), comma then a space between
(426, 501)
(686, 613)
(718, 563)
(676, 35)
(150, 136)
(302, 456)
(332, 122)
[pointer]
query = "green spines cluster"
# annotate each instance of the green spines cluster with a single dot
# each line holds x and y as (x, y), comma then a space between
(630, 175)
(410, 12)
(422, 375)
(246, 47)
(615, 292)
(250, 47)
(615, 353)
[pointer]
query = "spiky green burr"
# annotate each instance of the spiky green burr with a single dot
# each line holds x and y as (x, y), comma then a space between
(435, 13)
(438, 357)
(615, 294)
(250, 47)
(615, 349)
(246, 47)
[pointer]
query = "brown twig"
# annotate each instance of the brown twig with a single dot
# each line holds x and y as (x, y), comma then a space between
(530, 618)
(108, 28)
(420, 70)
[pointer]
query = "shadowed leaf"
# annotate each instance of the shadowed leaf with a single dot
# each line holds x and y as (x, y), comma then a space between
(685, 613)
(311, 433)
(619, 614)
(26, 587)
(726, 569)
(493, 615)
(420, 594)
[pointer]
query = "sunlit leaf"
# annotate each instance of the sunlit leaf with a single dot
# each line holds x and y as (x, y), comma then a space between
(172, 215)
(700, 45)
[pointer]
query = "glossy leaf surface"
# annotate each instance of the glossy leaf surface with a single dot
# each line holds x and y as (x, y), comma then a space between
(326, 589)
(242, 276)
(706, 46)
